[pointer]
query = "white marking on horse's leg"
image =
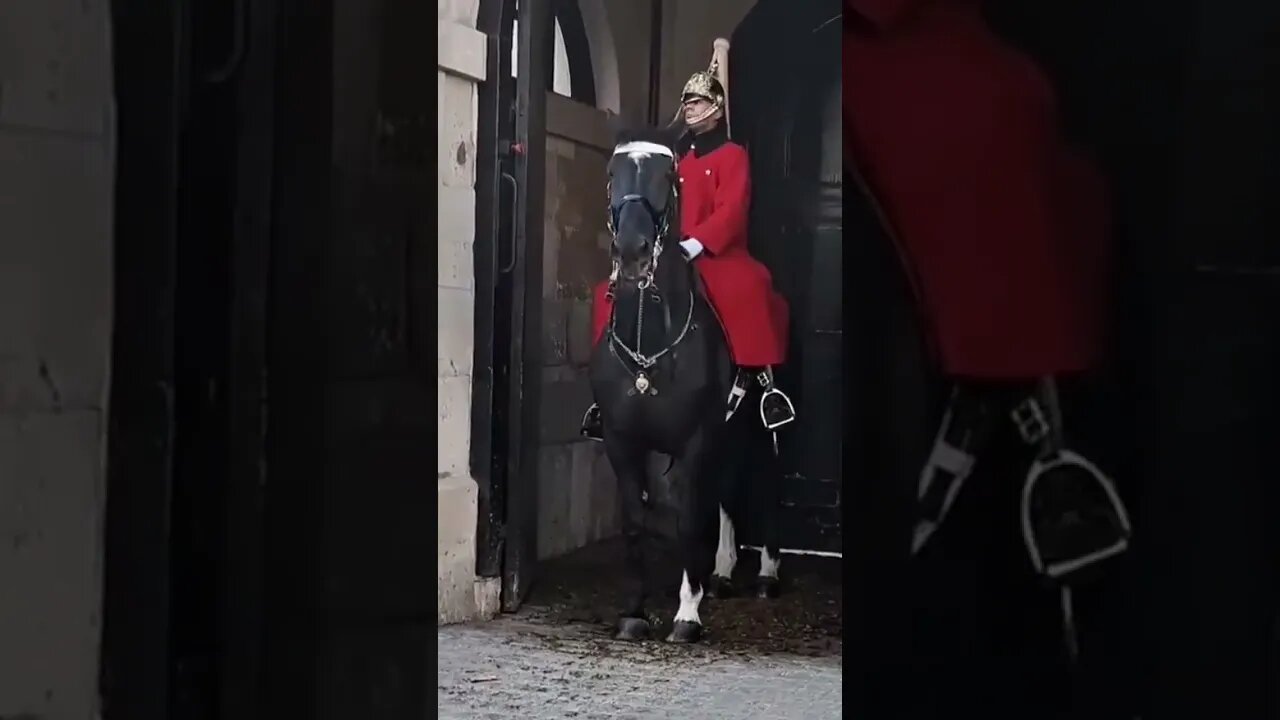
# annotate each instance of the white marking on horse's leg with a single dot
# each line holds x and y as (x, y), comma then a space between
(689, 601)
(768, 564)
(727, 551)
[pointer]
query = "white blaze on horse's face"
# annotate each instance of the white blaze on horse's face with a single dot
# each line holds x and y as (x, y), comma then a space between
(640, 152)
(638, 157)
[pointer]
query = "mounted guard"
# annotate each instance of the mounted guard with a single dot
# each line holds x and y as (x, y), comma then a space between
(715, 198)
(686, 323)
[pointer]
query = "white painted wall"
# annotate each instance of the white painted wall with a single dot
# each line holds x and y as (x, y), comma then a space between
(56, 179)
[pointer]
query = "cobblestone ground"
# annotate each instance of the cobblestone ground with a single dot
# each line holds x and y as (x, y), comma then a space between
(514, 668)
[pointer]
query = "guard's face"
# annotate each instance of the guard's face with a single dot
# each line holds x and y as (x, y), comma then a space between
(700, 114)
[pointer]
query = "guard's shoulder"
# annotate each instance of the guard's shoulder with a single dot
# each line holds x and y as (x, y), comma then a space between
(734, 150)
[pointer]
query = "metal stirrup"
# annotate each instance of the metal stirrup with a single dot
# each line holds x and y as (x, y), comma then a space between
(765, 378)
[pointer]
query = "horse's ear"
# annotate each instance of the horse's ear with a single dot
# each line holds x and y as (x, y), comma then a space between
(620, 127)
(672, 132)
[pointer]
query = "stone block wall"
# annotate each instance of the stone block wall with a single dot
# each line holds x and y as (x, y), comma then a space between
(461, 65)
(577, 490)
(57, 144)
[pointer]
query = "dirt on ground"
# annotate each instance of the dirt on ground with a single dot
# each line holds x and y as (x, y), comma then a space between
(582, 593)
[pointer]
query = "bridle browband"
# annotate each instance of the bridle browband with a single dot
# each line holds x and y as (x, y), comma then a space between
(662, 223)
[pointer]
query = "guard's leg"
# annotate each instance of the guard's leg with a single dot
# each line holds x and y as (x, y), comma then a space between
(965, 430)
(592, 424)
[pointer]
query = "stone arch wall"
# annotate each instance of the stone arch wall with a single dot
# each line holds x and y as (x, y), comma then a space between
(604, 54)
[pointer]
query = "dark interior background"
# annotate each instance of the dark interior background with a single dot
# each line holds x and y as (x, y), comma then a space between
(1179, 101)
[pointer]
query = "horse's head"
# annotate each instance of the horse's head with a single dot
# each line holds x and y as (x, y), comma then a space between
(643, 202)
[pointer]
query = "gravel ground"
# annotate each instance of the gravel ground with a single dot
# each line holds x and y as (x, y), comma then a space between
(556, 658)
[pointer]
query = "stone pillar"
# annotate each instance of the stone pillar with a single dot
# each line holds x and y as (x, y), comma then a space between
(460, 67)
(57, 140)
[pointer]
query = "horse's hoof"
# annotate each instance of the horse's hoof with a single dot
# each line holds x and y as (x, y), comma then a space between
(768, 588)
(685, 632)
(720, 587)
(632, 629)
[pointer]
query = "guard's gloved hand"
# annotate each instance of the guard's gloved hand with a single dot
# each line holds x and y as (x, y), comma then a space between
(692, 247)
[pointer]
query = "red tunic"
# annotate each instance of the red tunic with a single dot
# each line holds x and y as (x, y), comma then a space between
(1005, 230)
(715, 194)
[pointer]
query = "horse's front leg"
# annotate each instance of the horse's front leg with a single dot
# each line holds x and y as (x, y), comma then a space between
(697, 505)
(629, 467)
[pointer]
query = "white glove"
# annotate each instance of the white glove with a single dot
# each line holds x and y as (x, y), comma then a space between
(692, 247)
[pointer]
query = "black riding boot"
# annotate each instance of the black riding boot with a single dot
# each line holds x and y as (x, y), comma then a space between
(592, 425)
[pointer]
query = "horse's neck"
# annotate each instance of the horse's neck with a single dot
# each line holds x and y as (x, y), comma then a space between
(674, 276)
(666, 305)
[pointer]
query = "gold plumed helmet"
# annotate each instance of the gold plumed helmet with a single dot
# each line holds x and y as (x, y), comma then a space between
(713, 83)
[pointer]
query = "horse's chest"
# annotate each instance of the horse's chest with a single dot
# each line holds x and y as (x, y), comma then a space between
(664, 420)
(673, 394)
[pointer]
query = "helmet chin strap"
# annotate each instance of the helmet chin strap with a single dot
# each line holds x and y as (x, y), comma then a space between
(690, 122)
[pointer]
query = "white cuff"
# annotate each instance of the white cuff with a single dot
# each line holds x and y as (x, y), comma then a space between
(692, 247)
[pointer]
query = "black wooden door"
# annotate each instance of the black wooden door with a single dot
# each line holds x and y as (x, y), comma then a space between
(217, 520)
(785, 104)
(374, 344)
(494, 249)
(508, 262)
(184, 576)
(135, 667)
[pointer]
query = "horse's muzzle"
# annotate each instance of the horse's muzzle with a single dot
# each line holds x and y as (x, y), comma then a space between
(636, 270)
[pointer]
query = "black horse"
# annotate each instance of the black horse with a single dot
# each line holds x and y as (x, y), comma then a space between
(661, 375)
